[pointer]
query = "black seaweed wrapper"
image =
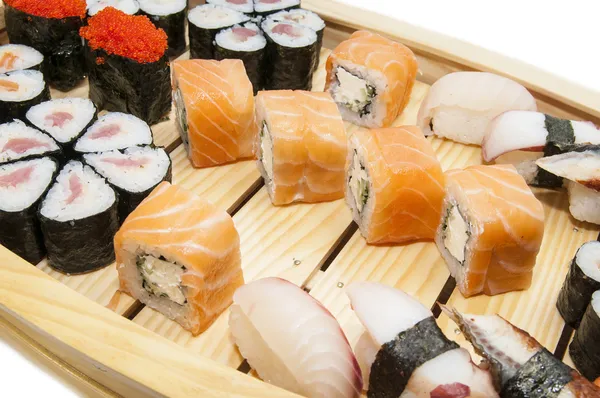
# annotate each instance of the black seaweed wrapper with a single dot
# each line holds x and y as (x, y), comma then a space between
(585, 348)
(575, 295)
(201, 41)
(17, 110)
(253, 63)
(174, 27)
(289, 68)
(123, 85)
(21, 234)
(84, 245)
(57, 39)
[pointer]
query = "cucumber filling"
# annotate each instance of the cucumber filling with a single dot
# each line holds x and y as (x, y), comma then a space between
(353, 92)
(359, 182)
(162, 278)
(456, 233)
(266, 151)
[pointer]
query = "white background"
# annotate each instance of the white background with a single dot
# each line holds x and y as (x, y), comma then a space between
(558, 36)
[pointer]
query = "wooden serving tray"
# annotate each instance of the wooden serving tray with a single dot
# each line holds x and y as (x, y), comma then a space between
(130, 350)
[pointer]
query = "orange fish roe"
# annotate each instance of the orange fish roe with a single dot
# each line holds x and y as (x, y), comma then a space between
(50, 8)
(133, 37)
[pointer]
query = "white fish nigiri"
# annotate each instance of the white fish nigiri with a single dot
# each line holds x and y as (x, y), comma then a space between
(386, 313)
(460, 105)
(292, 341)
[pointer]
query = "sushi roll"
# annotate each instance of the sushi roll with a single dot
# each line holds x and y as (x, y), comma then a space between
(243, 6)
(245, 42)
(520, 366)
(292, 341)
(51, 27)
(394, 185)
(169, 16)
(215, 110)
(585, 349)
(19, 141)
(580, 167)
(22, 185)
(291, 53)
(79, 219)
(133, 173)
(180, 255)
(403, 352)
(461, 105)
(370, 78)
(263, 8)
(20, 90)
(302, 146)
(205, 21)
(19, 57)
(306, 18)
(582, 280)
(114, 130)
(64, 119)
(491, 229)
(129, 7)
(128, 68)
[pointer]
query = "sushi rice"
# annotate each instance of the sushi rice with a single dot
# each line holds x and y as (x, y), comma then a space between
(30, 85)
(19, 57)
(162, 7)
(245, 6)
(19, 141)
(21, 193)
(211, 16)
(263, 8)
(130, 7)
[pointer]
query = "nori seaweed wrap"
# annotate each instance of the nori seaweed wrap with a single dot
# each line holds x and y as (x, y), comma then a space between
(585, 347)
(22, 185)
(19, 91)
(55, 33)
(170, 17)
(265, 8)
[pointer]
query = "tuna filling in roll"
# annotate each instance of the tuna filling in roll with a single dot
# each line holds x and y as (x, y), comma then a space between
(456, 233)
(353, 92)
(266, 151)
(161, 278)
(359, 182)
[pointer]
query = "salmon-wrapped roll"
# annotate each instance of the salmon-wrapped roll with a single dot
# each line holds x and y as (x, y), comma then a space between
(370, 78)
(180, 255)
(214, 102)
(491, 229)
(301, 146)
(395, 185)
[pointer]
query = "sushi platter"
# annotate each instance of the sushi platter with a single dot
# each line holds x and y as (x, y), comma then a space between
(91, 327)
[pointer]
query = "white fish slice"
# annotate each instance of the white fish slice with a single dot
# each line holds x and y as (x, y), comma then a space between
(292, 341)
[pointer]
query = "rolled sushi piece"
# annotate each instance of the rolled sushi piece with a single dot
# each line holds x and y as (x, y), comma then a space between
(130, 7)
(128, 68)
(205, 21)
(19, 57)
(79, 220)
(114, 130)
(245, 42)
(491, 229)
(19, 141)
(461, 105)
(292, 341)
(584, 349)
(521, 367)
(169, 15)
(243, 6)
(19, 91)
(64, 119)
(263, 8)
(403, 353)
(180, 255)
(51, 27)
(133, 173)
(22, 185)
(582, 280)
(290, 55)
(370, 78)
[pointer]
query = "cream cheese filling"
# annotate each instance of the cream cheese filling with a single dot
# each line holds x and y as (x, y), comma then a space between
(456, 234)
(359, 183)
(352, 91)
(266, 150)
(162, 278)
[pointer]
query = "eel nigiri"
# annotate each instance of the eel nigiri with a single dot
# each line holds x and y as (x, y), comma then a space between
(370, 78)
(180, 255)
(292, 341)
(491, 229)
(460, 105)
(403, 352)
(395, 184)
(521, 367)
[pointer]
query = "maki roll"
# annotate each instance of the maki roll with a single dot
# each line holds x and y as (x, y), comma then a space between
(51, 27)
(128, 65)
(205, 22)
(262, 8)
(19, 57)
(170, 17)
(582, 280)
(133, 173)
(243, 6)
(130, 7)
(20, 90)
(585, 347)
(290, 57)
(79, 220)
(64, 119)
(114, 130)
(245, 42)
(22, 185)
(19, 141)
